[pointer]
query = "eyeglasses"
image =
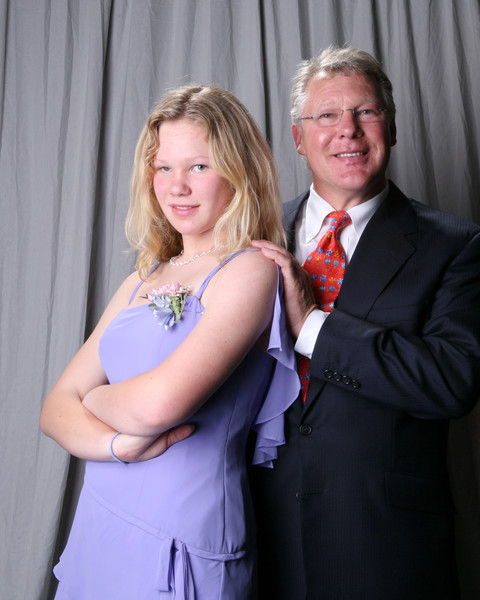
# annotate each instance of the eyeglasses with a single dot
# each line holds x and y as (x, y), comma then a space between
(329, 118)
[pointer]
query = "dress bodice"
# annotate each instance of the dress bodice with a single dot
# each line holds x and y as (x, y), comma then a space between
(194, 497)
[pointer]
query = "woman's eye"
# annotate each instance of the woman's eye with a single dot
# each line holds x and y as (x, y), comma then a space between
(199, 168)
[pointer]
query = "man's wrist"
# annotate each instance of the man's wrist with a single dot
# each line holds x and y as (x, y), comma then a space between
(308, 334)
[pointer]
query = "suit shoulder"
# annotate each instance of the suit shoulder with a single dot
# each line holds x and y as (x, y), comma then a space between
(292, 206)
(443, 223)
(290, 212)
(408, 210)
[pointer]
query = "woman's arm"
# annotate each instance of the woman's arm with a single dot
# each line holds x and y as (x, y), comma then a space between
(238, 308)
(73, 426)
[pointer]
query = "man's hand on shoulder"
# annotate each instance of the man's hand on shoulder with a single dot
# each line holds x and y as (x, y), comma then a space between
(298, 295)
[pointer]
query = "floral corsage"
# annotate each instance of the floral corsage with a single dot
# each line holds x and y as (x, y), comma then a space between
(167, 303)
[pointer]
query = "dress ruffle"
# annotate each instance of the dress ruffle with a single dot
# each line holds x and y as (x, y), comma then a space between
(283, 390)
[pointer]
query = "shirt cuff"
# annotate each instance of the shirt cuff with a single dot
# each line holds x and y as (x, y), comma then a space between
(308, 334)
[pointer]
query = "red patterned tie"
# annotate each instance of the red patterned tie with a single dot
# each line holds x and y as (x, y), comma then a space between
(326, 267)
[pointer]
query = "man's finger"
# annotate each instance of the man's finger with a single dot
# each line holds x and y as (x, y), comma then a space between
(267, 244)
(276, 253)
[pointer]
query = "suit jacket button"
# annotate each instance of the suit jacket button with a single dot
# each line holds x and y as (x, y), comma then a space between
(355, 384)
(346, 380)
(305, 429)
(328, 374)
(337, 376)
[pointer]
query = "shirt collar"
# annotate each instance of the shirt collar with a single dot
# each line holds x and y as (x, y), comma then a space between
(316, 209)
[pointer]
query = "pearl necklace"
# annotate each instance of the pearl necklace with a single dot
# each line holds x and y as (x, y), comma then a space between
(175, 263)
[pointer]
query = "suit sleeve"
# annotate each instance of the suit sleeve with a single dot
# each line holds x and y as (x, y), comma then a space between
(432, 371)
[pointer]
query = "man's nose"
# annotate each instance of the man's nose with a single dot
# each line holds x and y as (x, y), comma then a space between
(348, 121)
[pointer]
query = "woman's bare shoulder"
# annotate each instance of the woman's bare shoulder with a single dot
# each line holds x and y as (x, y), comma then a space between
(253, 262)
(127, 287)
(121, 298)
(249, 274)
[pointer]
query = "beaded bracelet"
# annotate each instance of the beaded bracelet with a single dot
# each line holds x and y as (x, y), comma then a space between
(124, 462)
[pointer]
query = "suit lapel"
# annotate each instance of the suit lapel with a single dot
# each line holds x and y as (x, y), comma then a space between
(290, 213)
(380, 253)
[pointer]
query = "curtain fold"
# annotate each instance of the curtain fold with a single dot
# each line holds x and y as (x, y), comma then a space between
(77, 80)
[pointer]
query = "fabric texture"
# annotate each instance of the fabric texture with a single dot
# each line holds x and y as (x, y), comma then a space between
(165, 528)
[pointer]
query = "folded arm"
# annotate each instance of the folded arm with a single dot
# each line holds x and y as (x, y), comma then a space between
(66, 420)
(83, 412)
(239, 309)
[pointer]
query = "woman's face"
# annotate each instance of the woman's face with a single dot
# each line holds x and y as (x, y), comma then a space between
(190, 193)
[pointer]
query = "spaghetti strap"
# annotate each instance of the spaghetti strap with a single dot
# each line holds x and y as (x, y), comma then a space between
(142, 281)
(216, 269)
(205, 282)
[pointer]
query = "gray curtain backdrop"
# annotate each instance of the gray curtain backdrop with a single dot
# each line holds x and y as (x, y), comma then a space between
(77, 80)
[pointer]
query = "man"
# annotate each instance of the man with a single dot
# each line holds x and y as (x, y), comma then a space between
(357, 506)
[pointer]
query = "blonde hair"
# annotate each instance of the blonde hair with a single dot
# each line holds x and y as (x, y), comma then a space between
(238, 152)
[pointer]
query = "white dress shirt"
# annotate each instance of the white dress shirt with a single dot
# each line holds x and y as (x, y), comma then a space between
(312, 224)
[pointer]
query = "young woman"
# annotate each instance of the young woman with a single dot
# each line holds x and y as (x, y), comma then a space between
(196, 336)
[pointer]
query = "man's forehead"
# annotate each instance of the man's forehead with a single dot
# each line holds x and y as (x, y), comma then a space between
(341, 84)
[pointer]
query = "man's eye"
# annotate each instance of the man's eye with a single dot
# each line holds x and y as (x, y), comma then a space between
(326, 116)
(370, 111)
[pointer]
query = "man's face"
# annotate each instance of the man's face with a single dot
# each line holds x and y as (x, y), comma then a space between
(348, 160)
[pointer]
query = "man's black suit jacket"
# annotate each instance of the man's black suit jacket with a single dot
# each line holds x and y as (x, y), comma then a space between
(357, 506)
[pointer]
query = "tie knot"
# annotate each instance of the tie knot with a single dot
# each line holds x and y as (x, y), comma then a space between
(338, 220)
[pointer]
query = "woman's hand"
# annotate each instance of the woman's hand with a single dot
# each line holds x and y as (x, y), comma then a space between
(136, 448)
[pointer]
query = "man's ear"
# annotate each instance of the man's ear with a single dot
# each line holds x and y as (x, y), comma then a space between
(393, 133)
(297, 138)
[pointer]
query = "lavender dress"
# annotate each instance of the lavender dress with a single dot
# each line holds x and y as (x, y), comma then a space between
(180, 526)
